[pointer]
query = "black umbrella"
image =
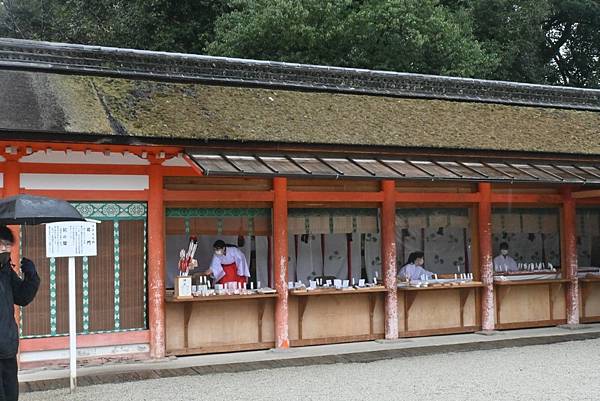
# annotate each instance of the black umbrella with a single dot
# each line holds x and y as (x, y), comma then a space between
(30, 210)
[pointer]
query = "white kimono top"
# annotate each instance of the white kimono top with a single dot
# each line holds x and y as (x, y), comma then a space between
(413, 272)
(232, 255)
(504, 263)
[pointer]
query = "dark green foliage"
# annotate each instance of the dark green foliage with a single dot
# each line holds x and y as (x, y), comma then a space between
(538, 41)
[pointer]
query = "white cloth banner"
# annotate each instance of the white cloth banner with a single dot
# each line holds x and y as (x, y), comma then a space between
(373, 255)
(310, 259)
(355, 248)
(262, 260)
(336, 255)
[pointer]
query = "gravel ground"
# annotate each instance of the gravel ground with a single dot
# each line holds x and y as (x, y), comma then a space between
(564, 371)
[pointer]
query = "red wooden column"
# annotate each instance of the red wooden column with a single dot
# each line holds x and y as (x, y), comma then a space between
(280, 258)
(156, 257)
(388, 252)
(569, 258)
(486, 267)
(12, 186)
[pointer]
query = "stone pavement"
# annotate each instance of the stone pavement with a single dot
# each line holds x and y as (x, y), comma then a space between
(363, 352)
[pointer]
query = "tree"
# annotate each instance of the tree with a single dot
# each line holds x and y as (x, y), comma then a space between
(572, 47)
(184, 26)
(409, 35)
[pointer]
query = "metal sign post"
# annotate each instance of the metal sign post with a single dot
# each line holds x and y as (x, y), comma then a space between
(71, 239)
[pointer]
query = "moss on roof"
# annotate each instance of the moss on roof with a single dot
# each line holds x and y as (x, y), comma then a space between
(199, 111)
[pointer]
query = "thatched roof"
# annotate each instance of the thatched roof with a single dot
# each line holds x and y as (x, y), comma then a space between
(109, 106)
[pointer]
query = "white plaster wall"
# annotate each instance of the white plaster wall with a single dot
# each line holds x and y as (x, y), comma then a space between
(84, 181)
(176, 162)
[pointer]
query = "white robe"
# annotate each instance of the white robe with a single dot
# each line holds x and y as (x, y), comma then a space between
(505, 263)
(232, 255)
(414, 272)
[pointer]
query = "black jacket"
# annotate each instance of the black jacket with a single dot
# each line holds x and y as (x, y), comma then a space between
(13, 291)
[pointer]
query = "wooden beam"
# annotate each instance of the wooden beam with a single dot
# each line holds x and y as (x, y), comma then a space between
(35, 146)
(526, 198)
(107, 169)
(309, 196)
(216, 196)
(592, 193)
(436, 197)
(83, 168)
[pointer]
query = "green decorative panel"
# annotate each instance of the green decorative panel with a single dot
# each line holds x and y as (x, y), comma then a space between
(85, 302)
(53, 312)
(111, 211)
(216, 212)
(117, 284)
(307, 212)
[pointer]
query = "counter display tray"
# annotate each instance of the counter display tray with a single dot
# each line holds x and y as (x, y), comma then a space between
(441, 286)
(209, 298)
(334, 291)
(527, 279)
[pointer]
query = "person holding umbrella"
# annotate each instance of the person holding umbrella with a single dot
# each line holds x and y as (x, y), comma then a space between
(13, 291)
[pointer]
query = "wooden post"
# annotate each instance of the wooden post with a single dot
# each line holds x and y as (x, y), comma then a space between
(569, 258)
(280, 258)
(486, 267)
(156, 257)
(388, 252)
(12, 187)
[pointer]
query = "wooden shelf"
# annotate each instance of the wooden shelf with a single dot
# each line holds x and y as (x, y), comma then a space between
(531, 282)
(211, 298)
(337, 292)
(473, 284)
(589, 279)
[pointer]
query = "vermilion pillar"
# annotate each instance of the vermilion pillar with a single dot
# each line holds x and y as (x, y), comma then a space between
(569, 258)
(280, 259)
(388, 252)
(156, 257)
(486, 267)
(12, 186)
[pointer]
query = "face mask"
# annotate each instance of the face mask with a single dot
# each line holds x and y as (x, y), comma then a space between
(504, 252)
(219, 252)
(4, 258)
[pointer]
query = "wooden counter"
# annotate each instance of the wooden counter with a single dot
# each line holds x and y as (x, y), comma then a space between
(589, 298)
(443, 309)
(530, 303)
(327, 316)
(219, 323)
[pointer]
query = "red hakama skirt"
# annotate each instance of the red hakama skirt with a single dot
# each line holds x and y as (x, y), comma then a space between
(231, 275)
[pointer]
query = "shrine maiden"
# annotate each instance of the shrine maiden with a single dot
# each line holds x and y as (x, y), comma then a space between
(413, 269)
(503, 262)
(229, 264)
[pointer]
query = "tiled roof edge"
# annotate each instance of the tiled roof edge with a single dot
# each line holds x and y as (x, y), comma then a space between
(17, 54)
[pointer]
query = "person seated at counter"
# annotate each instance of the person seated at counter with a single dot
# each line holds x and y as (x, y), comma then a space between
(413, 268)
(503, 262)
(228, 264)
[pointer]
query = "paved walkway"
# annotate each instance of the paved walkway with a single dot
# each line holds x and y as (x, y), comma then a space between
(48, 379)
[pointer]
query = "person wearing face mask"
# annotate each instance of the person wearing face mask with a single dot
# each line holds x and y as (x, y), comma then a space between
(228, 264)
(413, 268)
(13, 291)
(503, 262)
